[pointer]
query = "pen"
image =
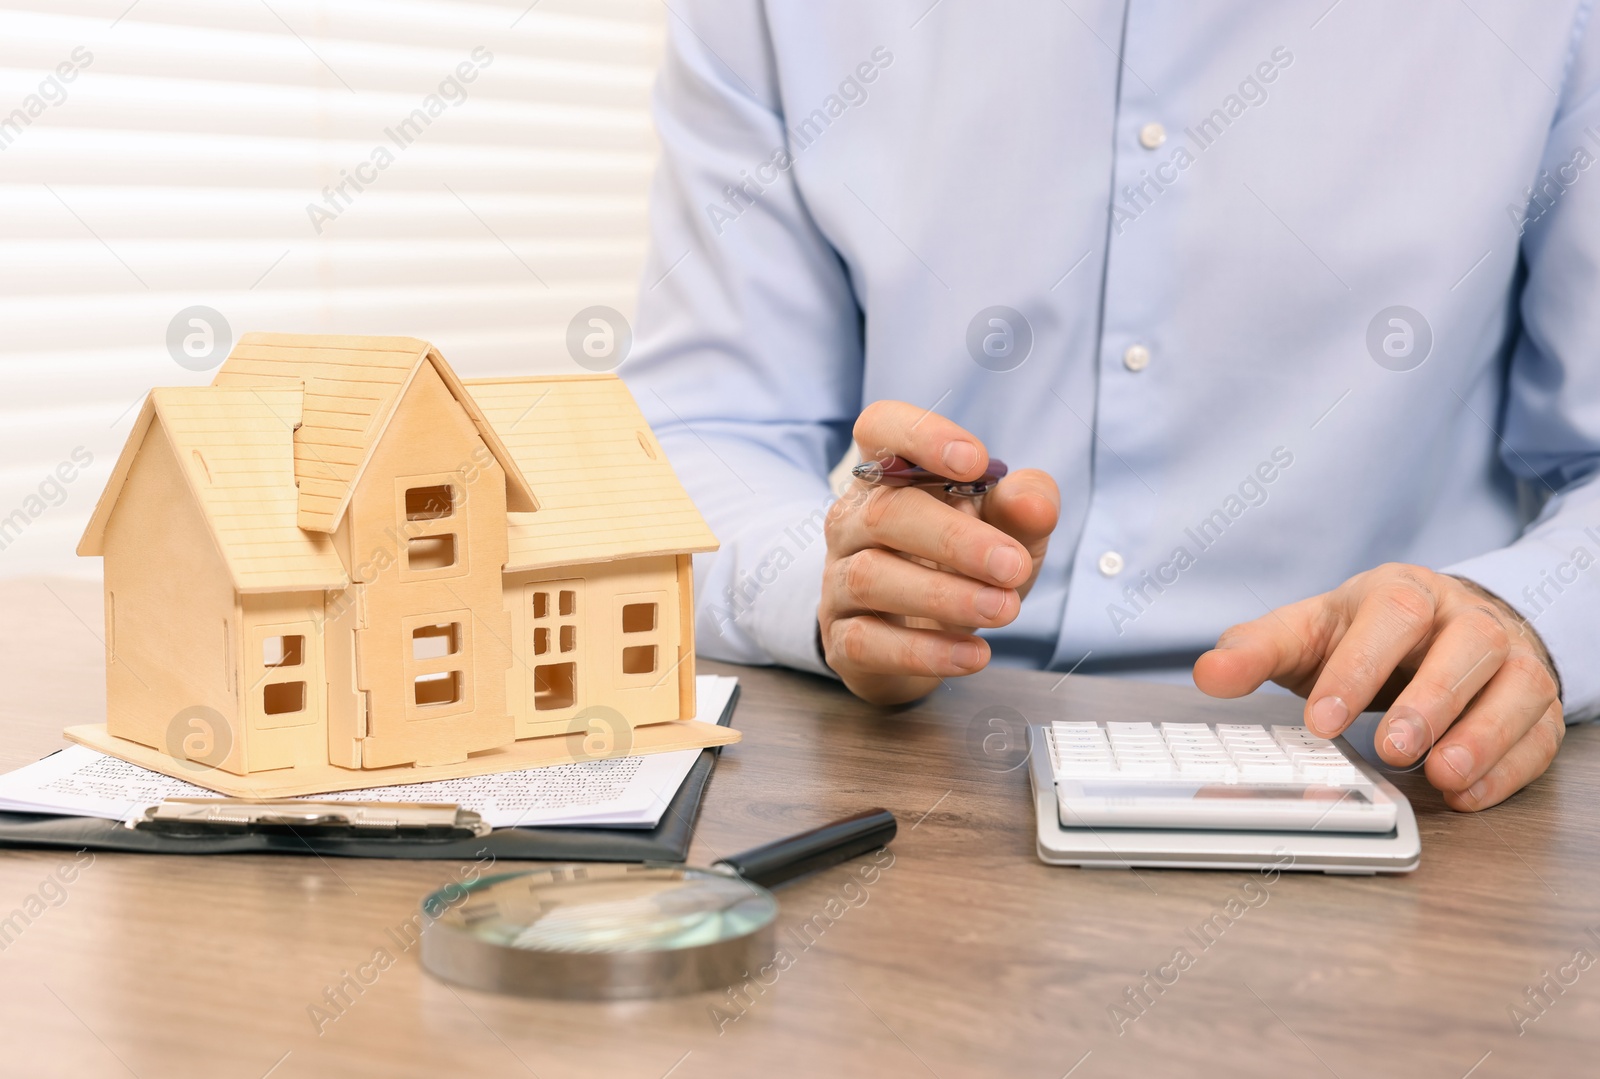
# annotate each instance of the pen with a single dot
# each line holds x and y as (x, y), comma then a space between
(898, 472)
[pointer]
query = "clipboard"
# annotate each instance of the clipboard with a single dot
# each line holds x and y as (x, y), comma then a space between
(667, 842)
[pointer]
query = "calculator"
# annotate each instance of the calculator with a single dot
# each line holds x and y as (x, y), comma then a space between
(1218, 795)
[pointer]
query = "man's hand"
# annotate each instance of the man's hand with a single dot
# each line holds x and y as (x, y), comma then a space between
(1466, 681)
(909, 574)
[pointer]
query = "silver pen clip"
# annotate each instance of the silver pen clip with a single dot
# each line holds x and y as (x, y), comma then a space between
(207, 817)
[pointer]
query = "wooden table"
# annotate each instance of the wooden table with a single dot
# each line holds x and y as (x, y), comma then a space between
(966, 956)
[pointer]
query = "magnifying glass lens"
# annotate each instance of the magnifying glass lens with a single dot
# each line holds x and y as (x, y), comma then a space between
(582, 909)
(598, 931)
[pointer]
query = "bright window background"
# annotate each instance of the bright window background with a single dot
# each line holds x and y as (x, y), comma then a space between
(176, 169)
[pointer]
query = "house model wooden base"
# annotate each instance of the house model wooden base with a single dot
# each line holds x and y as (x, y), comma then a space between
(339, 566)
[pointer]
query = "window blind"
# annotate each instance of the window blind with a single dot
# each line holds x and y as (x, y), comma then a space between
(470, 173)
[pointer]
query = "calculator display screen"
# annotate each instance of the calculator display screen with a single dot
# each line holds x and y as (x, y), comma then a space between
(1234, 791)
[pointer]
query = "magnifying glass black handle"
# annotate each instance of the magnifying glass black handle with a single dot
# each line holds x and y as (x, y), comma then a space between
(796, 855)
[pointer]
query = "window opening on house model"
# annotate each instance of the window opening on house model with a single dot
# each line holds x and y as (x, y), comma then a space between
(430, 503)
(285, 650)
(436, 642)
(279, 651)
(431, 552)
(433, 645)
(554, 612)
(639, 653)
(282, 698)
(441, 687)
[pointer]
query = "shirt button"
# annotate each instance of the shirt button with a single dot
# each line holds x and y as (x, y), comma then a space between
(1111, 563)
(1152, 135)
(1137, 358)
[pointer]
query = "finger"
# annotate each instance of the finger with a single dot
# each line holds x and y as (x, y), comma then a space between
(880, 581)
(916, 523)
(1516, 698)
(1521, 765)
(1283, 646)
(1460, 661)
(869, 644)
(1391, 620)
(1025, 506)
(895, 428)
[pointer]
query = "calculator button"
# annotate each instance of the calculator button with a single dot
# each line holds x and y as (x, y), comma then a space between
(1220, 770)
(1084, 770)
(1258, 768)
(1145, 769)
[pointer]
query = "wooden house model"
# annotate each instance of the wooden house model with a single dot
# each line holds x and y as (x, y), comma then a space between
(340, 566)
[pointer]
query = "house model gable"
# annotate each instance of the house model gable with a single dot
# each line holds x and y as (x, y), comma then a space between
(338, 566)
(351, 386)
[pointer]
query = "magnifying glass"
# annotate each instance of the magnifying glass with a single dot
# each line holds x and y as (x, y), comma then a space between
(603, 931)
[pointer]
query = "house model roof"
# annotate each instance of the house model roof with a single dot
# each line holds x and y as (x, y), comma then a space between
(274, 448)
(235, 448)
(606, 489)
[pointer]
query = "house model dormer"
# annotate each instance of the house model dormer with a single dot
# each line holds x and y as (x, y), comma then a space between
(340, 566)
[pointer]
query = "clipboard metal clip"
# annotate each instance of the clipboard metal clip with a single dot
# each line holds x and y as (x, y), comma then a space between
(202, 818)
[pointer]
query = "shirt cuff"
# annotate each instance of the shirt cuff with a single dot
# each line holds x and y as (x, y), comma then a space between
(1553, 581)
(757, 597)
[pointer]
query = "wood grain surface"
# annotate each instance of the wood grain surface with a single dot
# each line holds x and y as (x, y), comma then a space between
(964, 956)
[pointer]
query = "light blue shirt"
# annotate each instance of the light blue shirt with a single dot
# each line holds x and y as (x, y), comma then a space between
(1288, 292)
